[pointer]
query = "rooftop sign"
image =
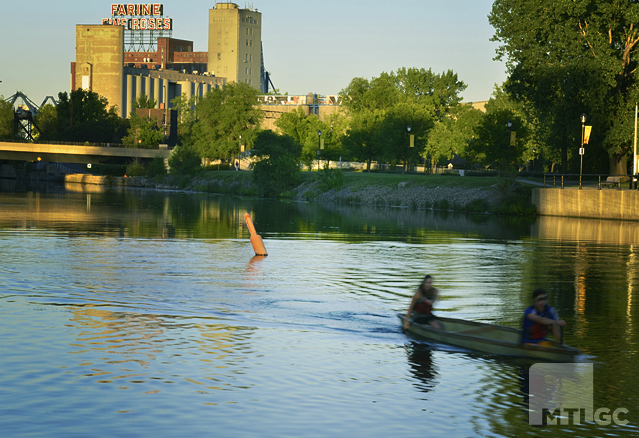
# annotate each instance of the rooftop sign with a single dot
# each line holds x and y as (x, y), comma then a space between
(144, 23)
(147, 16)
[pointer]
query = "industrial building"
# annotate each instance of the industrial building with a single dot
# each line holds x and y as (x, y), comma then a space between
(172, 68)
(130, 55)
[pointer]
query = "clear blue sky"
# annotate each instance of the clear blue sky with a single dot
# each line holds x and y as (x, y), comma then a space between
(308, 46)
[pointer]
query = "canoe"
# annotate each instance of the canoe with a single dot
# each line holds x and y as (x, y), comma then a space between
(489, 338)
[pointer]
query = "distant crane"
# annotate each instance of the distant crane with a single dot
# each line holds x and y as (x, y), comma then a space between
(25, 112)
(265, 76)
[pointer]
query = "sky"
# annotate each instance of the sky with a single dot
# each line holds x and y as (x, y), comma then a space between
(309, 47)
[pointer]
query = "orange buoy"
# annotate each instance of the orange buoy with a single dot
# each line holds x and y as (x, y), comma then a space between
(256, 240)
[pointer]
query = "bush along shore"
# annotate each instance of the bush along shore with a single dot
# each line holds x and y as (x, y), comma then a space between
(492, 195)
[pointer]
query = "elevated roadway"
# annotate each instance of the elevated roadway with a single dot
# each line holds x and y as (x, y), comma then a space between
(70, 153)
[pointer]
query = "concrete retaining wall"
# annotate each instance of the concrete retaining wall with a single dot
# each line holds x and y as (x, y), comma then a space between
(587, 203)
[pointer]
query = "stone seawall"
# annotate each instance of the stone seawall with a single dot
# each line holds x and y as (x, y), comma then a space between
(587, 203)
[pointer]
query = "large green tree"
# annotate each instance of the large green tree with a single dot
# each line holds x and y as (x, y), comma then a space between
(277, 167)
(304, 130)
(223, 115)
(451, 135)
(6, 118)
(381, 109)
(186, 116)
(144, 131)
(568, 57)
(85, 116)
(47, 121)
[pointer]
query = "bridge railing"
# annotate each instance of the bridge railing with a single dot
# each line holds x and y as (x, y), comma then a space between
(599, 181)
(71, 143)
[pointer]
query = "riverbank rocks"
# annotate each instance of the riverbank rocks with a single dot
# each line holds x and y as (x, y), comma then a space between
(403, 196)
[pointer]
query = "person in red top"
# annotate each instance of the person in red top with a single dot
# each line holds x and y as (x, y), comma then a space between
(422, 305)
(539, 318)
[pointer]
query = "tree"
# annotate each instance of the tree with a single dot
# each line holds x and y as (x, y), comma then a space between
(83, 116)
(567, 57)
(6, 118)
(47, 121)
(186, 116)
(304, 130)
(223, 116)
(360, 136)
(451, 135)
(277, 168)
(381, 109)
(184, 160)
(441, 92)
(393, 138)
(491, 141)
(144, 131)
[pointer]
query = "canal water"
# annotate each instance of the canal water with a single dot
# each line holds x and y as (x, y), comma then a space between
(145, 313)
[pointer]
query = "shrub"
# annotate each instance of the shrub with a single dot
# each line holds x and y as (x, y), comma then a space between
(277, 169)
(156, 168)
(184, 161)
(330, 178)
(135, 168)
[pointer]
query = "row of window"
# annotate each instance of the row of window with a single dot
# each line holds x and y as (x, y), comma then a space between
(249, 31)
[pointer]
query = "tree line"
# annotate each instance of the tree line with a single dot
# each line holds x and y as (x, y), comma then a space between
(565, 60)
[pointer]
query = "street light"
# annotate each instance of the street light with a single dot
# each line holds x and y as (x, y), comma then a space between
(319, 147)
(408, 128)
(239, 155)
(581, 149)
(510, 125)
(534, 155)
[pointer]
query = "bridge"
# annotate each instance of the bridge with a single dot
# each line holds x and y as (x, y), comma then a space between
(56, 152)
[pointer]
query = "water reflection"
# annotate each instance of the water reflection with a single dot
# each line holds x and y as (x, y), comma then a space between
(154, 214)
(610, 232)
(128, 348)
(165, 295)
(420, 359)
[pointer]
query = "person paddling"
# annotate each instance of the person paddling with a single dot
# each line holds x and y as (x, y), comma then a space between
(422, 305)
(538, 319)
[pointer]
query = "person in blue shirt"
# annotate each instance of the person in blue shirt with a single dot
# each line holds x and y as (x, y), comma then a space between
(539, 319)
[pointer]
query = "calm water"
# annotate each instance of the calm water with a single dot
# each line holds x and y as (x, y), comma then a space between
(147, 314)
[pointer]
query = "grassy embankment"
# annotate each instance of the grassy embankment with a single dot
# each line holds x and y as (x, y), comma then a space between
(422, 192)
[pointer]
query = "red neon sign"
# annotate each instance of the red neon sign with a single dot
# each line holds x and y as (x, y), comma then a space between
(143, 16)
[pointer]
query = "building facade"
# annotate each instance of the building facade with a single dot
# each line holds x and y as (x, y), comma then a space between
(173, 69)
(100, 67)
(235, 44)
(99, 61)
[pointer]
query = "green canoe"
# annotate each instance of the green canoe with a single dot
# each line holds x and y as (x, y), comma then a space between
(489, 338)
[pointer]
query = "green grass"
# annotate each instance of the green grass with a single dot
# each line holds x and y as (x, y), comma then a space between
(359, 180)
(363, 179)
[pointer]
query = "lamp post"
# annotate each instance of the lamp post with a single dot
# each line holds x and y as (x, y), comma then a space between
(534, 156)
(319, 147)
(581, 149)
(239, 155)
(408, 128)
(510, 125)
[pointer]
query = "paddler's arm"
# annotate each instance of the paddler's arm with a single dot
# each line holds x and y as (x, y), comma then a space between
(546, 321)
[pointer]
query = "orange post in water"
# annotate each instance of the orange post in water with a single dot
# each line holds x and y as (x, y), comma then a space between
(256, 240)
